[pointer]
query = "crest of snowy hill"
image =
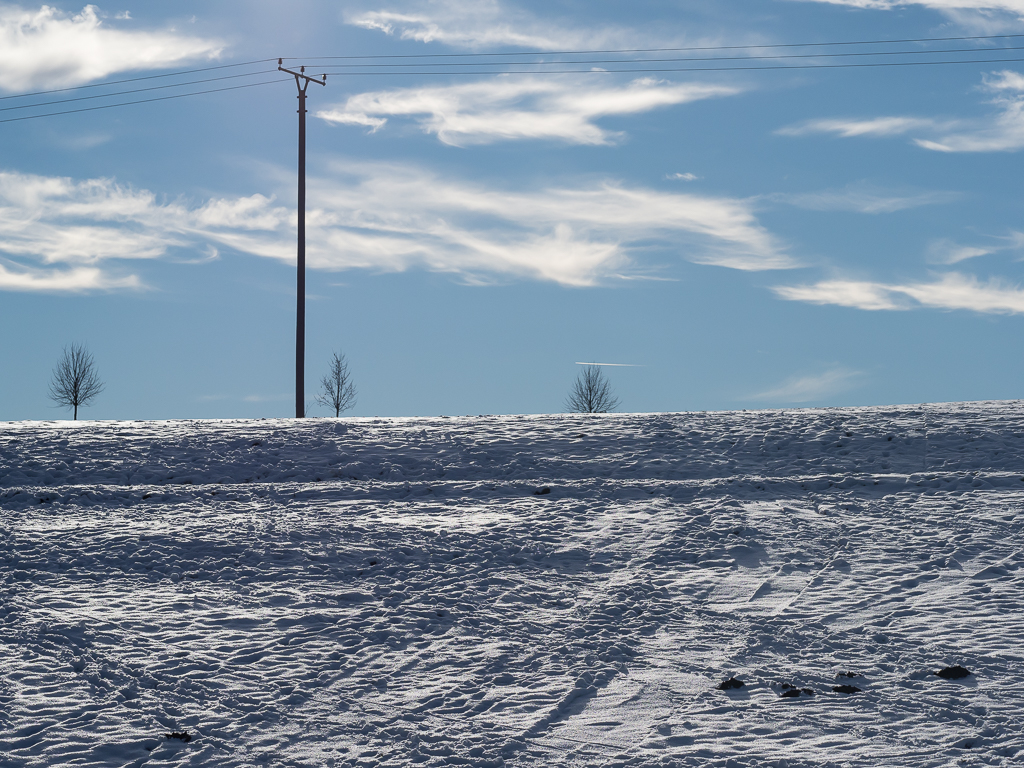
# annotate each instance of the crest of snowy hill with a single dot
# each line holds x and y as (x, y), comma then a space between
(769, 588)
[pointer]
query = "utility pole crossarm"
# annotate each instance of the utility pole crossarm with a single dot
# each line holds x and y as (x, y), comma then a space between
(302, 81)
(301, 74)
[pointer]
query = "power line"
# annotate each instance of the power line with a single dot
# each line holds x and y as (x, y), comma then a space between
(144, 101)
(586, 61)
(665, 50)
(136, 90)
(694, 58)
(531, 72)
(135, 79)
(540, 63)
(685, 69)
(520, 53)
(537, 68)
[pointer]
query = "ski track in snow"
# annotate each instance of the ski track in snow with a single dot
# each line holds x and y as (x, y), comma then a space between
(378, 592)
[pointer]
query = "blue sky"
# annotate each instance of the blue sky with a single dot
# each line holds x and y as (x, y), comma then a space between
(736, 239)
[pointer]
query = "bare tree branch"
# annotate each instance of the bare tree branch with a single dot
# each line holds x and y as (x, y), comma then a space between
(338, 391)
(74, 381)
(591, 393)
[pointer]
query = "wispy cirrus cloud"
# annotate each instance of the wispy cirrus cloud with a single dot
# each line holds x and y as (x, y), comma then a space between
(511, 108)
(862, 198)
(952, 290)
(1011, 6)
(1002, 131)
(948, 252)
(489, 24)
(576, 235)
(482, 25)
(849, 128)
(61, 234)
(945, 251)
(808, 388)
(78, 280)
(47, 47)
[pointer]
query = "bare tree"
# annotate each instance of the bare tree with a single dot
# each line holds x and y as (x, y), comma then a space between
(74, 381)
(338, 391)
(591, 393)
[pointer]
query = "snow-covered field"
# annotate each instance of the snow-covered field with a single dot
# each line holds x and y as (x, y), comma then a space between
(400, 591)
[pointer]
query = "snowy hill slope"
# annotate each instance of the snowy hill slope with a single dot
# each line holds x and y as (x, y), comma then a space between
(405, 591)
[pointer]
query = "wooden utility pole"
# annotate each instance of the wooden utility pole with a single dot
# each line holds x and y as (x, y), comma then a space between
(302, 82)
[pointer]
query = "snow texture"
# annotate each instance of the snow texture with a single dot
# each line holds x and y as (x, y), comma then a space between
(392, 592)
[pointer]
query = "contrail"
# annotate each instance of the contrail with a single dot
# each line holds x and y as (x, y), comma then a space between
(614, 365)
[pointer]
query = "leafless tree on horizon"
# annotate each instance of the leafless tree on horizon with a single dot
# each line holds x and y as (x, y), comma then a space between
(591, 393)
(74, 381)
(338, 391)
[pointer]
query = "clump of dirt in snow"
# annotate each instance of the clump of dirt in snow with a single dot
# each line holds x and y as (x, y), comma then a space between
(183, 736)
(955, 672)
(730, 684)
(792, 691)
(845, 689)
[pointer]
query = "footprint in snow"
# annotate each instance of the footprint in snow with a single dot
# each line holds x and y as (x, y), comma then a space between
(955, 672)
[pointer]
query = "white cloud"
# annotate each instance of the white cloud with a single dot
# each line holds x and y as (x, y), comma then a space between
(342, 117)
(948, 252)
(862, 198)
(394, 217)
(950, 291)
(479, 30)
(488, 24)
(55, 220)
(956, 291)
(1002, 131)
(682, 177)
(1006, 80)
(76, 280)
(844, 293)
(805, 389)
(381, 217)
(848, 128)
(49, 48)
(1011, 6)
(510, 108)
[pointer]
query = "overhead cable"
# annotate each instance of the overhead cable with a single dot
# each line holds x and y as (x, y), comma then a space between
(373, 65)
(683, 69)
(137, 79)
(663, 50)
(688, 58)
(523, 53)
(138, 90)
(146, 101)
